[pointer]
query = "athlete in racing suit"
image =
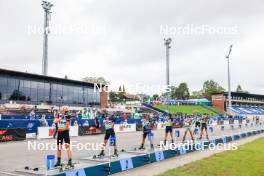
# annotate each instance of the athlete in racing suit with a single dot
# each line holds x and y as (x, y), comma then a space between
(62, 124)
(146, 132)
(109, 123)
(168, 128)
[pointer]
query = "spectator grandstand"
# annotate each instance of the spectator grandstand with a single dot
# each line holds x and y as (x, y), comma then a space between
(242, 103)
(254, 110)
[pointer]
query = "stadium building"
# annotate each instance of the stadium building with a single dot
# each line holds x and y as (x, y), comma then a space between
(28, 88)
(242, 103)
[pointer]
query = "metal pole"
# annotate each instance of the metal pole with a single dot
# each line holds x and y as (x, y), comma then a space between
(167, 43)
(47, 7)
(229, 80)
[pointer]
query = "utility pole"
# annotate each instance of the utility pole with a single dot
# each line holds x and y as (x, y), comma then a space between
(47, 7)
(167, 43)
(229, 80)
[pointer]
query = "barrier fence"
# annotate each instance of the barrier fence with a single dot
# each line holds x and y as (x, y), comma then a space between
(11, 134)
(86, 126)
(239, 131)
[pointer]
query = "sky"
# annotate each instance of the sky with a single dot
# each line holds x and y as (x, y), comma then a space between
(122, 41)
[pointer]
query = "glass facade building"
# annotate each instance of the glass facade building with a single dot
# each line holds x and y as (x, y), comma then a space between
(36, 89)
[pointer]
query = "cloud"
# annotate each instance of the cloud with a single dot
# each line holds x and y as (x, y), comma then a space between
(121, 40)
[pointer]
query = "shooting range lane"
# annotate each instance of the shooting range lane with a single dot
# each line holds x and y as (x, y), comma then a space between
(127, 141)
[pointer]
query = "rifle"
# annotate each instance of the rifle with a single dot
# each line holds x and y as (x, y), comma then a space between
(56, 130)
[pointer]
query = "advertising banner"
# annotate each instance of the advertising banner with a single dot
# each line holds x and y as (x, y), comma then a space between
(89, 130)
(125, 127)
(12, 134)
(161, 126)
(47, 132)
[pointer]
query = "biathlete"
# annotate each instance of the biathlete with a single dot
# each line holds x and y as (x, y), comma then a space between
(187, 126)
(197, 121)
(146, 132)
(168, 128)
(62, 123)
(204, 122)
(109, 123)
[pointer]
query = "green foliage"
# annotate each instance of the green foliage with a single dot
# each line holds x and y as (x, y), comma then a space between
(146, 98)
(96, 80)
(113, 97)
(197, 95)
(240, 90)
(182, 92)
(116, 96)
(210, 87)
(155, 97)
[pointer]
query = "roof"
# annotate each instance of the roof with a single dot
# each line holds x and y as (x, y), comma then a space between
(242, 94)
(131, 96)
(47, 78)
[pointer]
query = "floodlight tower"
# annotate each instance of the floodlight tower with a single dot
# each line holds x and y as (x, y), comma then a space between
(229, 80)
(167, 43)
(47, 7)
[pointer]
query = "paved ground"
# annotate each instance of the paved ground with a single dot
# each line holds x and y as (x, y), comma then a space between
(16, 155)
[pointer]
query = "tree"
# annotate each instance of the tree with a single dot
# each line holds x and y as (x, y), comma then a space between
(124, 90)
(17, 95)
(210, 87)
(240, 90)
(120, 89)
(155, 97)
(121, 92)
(181, 92)
(96, 80)
(113, 97)
(172, 93)
(146, 98)
(197, 94)
(169, 94)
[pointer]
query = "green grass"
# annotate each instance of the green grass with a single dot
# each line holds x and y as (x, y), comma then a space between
(248, 160)
(189, 109)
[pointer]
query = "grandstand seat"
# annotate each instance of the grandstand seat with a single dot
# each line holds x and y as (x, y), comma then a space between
(248, 110)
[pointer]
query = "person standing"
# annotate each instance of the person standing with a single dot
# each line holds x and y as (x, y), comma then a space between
(204, 122)
(62, 124)
(146, 131)
(109, 123)
(187, 126)
(168, 128)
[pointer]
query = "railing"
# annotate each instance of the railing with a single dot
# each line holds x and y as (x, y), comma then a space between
(154, 108)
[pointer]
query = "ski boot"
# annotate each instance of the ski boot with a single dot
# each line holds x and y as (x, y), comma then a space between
(207, 137)
(58, 163)
(151, 147)
(141, 147)
(70, 164)
(115, 154)
(101, 155)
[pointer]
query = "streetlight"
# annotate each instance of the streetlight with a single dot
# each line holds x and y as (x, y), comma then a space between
(229, 81)
(47, 7)
(167, 43)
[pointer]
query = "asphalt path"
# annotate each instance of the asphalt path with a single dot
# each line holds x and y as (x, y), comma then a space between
(17, 155)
